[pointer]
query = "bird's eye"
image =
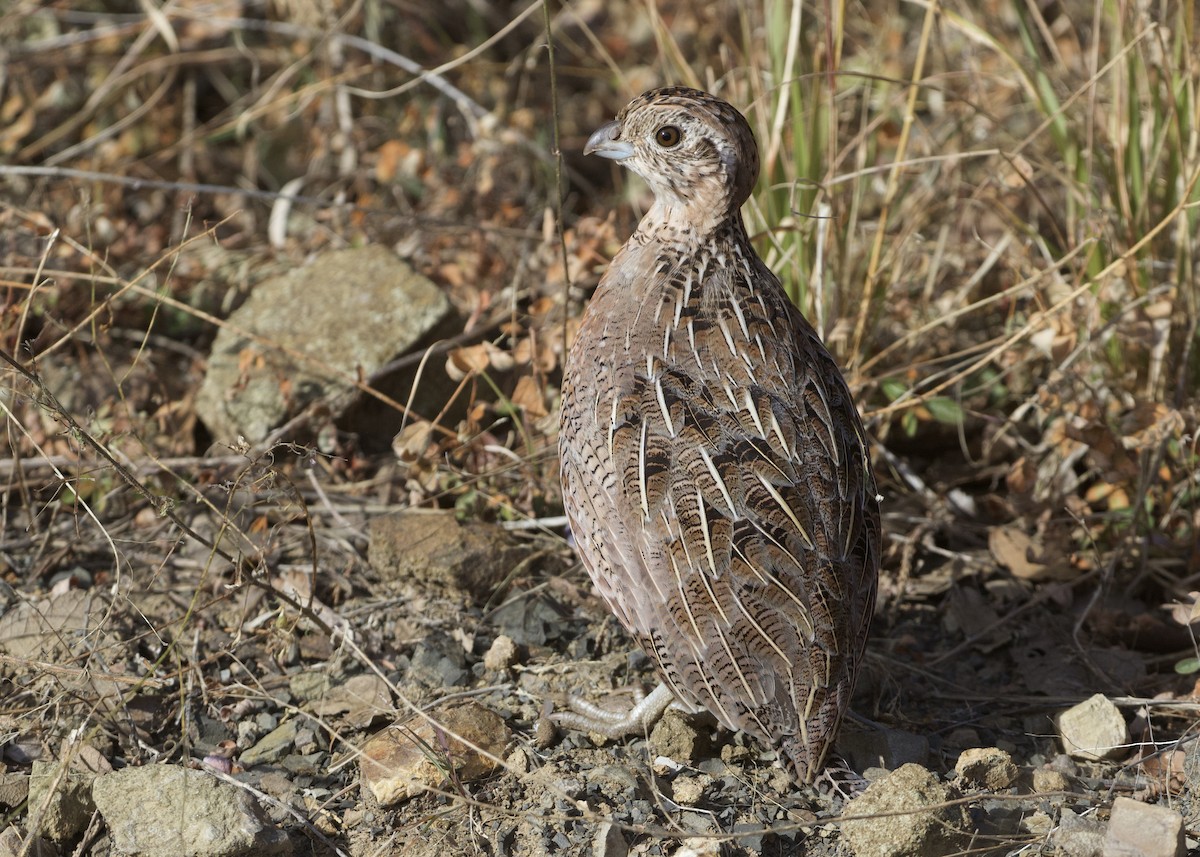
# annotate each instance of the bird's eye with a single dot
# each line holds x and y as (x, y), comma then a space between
(668, 136)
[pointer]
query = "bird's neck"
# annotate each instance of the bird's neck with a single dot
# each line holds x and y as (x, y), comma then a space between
(689, 230)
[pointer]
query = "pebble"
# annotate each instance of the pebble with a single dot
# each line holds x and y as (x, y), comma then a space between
(1047, 780)
(986, 768)
(501, 655)
(396, 764)
(1093, 730)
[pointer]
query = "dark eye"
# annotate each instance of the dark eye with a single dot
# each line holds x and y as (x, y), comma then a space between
(668, 136)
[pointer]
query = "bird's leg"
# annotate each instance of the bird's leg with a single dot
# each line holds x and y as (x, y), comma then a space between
(588, 717)
(842, 780)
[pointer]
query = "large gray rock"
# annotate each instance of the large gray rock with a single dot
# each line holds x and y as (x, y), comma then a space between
(348, 311)
(169, 811)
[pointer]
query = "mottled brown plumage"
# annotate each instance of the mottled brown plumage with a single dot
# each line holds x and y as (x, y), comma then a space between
(715, 471)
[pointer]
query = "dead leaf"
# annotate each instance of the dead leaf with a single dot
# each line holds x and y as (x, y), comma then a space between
(412, 441)
(1150, 424)
(467, 360)
(1186, 613)
(1013, 549)
(528, 396)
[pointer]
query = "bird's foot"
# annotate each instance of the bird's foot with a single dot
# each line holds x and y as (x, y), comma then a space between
(841, 780)
(586, 716)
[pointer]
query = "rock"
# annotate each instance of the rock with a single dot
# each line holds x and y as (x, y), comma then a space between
(1189, 800)
(436, 552)
(359, 700)
(14, 788)
(1038, 823)
(307, 686)
(687, 790)
(609, 842)
(62, 804)
(404, 760)
(1093, 730)
(882, 748)
(915, 831)
(349, 311)
(42, 629)
(1138, 829)
(166, 811)
(1049, 780)
(438, 662)
(501, 655)
(1077, 835)
(12, 845)
(271, 747)
(676, 736)
(987, 768)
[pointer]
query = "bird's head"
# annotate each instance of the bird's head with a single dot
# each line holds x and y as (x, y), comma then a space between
(695, 151)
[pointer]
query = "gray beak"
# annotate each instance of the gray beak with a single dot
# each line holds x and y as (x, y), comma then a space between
(604, 143)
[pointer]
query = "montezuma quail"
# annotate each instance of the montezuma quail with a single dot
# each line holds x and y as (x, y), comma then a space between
(715, 471)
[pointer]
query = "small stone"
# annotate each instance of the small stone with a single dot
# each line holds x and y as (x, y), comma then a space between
(14, 788)
(272, 747)
(359, 700)
(306, 686)
(961, 738)
(1048, 780)
(436, 552)
(986, 767)
(676, 737)
(13, 845)
(1138, 829)
(699, 847)
(1077, 835)
(277, 785)
(307, 765)
(306, 741)
(403, 761)
(1093, 730)
(900, 816)
(609, 842)
(517, 762)
(501, 655)
(1038, 823)
(545, 733)
(61, 804)
(687, 790)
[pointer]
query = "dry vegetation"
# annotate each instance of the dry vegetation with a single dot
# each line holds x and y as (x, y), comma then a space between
(991, 211)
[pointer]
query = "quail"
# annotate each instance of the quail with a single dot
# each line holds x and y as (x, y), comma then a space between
(715, 471)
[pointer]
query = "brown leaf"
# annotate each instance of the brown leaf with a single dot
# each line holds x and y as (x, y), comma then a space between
(390, 157)
(529, 397)
(1013, 549)
(1150, 424)
(467, 360)
(412, 441)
